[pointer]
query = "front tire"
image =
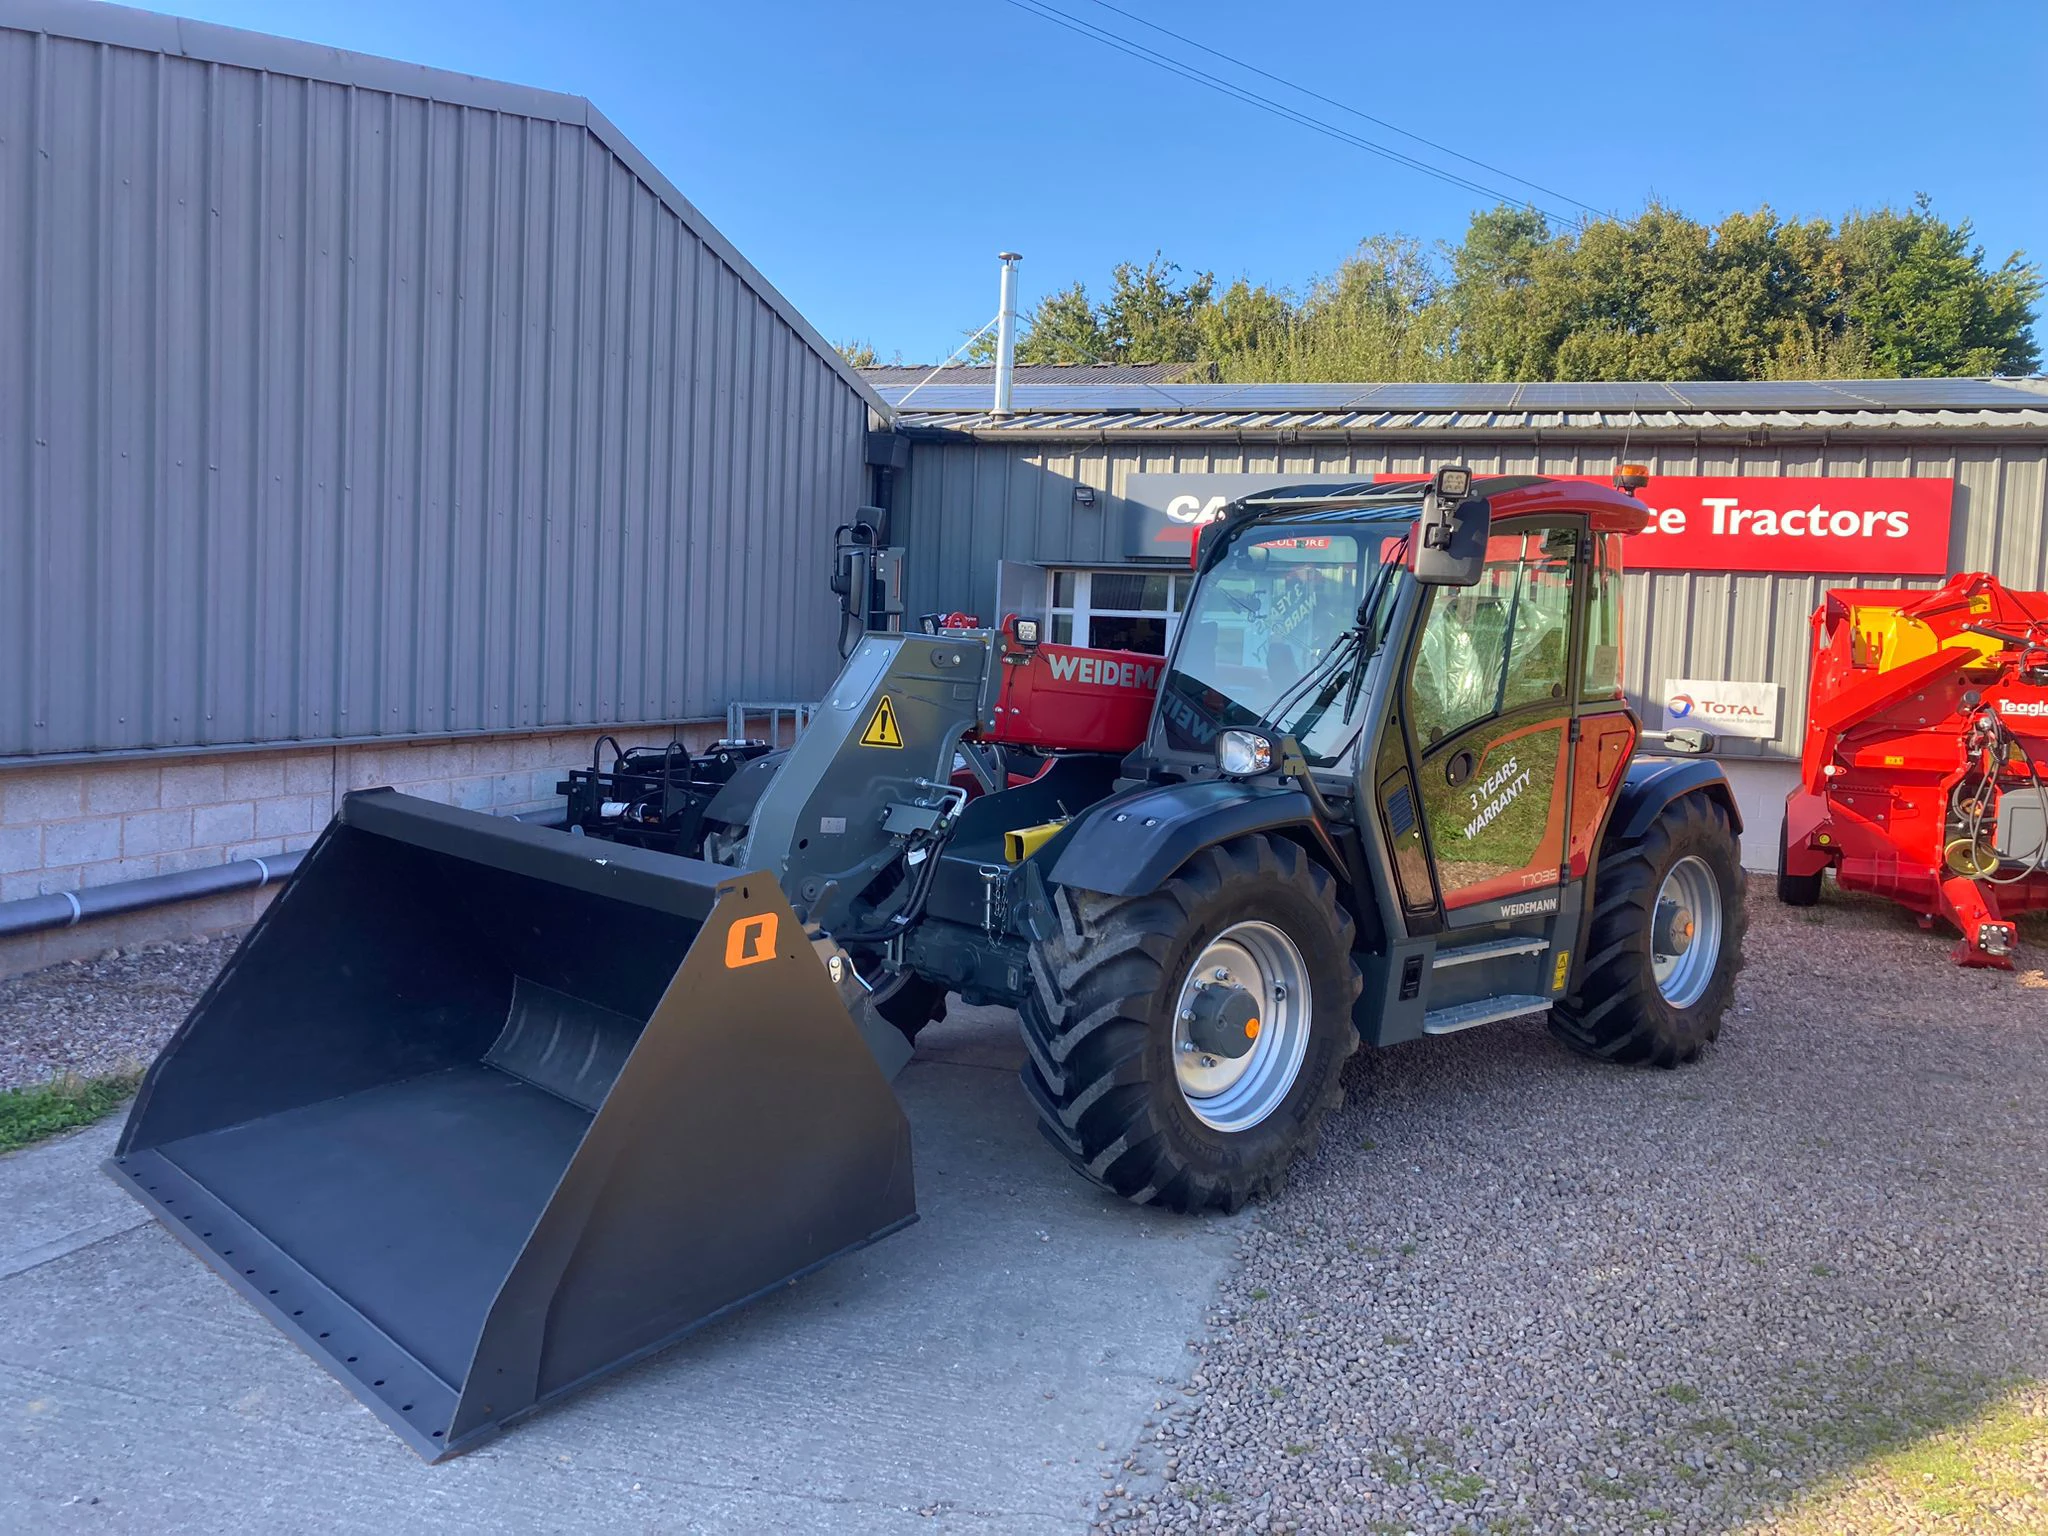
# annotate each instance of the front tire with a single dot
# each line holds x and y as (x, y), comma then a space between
(1649, 993)
(1121, 1089)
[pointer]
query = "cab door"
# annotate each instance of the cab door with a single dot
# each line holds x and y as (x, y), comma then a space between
(1488, 705)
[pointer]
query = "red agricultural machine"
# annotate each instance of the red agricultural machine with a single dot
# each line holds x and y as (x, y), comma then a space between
(1925, 773)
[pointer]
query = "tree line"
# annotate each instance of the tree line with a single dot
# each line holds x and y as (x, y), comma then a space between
(1888, 293)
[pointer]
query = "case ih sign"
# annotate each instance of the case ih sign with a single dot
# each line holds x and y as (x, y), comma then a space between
(1851, 526)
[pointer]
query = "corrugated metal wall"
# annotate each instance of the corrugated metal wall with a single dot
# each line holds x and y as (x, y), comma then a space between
(331, 412)
(970, 504)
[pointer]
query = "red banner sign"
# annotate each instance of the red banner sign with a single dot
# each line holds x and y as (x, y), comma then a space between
(1846, 526)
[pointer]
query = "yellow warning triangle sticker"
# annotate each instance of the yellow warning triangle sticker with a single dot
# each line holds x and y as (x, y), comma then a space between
(882, 730)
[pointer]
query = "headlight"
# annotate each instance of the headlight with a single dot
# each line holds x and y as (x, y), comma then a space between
(1027, 631)
(1241, 752)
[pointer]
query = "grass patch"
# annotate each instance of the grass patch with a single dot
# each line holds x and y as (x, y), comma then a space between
(1260, 1293)
(1679, 1392)
(1392, 1469)
(1980, 1475)
(30, 1114)
(1458, 1487)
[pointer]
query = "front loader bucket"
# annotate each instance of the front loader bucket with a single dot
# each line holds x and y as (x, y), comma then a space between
(479, 1111)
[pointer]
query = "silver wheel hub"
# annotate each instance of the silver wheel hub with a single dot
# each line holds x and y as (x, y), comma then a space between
(1685, 932)
(1247, 993)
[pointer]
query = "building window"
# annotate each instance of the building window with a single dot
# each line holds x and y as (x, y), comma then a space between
(1118, 610)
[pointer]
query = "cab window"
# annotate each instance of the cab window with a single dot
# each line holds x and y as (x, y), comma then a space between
(1501, 644)
(1600, 678)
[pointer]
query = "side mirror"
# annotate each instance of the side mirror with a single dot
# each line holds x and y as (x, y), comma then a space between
(1450, 544)
(1689, 741)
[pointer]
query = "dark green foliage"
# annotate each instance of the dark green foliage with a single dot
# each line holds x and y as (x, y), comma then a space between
(1656, 296)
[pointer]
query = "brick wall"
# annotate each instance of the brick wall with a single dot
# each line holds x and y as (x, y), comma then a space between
(72, 825)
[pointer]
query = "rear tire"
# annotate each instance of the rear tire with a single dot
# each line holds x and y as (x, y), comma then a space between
(1618, 1011)
(1100, 1027)
(1794, 890)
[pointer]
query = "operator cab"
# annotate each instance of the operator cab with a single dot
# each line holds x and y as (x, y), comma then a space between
(1446, 656)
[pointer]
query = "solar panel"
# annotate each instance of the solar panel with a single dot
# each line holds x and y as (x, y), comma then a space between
(1727, 395)
(1905, 394)
(1638, 395)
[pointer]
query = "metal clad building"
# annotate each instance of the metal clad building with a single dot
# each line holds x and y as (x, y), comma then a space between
(342, 399)
(981, 491)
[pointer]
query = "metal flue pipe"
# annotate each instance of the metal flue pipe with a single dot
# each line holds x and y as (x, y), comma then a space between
(1006, 333)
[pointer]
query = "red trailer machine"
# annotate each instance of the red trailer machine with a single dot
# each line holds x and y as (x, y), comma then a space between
(1925, 771)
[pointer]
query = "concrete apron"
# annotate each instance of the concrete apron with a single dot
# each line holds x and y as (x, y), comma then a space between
(967, 1369)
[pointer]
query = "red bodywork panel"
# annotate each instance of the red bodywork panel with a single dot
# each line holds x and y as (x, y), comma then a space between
(1605, 748)
(1893, 741)
(1071, 699)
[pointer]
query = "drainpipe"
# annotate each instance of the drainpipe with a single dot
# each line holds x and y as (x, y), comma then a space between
(1006, 333)
(67, 909)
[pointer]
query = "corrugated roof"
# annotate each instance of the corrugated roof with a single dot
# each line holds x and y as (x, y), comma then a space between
(1884, 406)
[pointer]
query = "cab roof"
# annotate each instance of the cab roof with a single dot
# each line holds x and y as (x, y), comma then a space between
(1610, 510)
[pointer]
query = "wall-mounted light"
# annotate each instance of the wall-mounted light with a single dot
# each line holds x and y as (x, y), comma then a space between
(1084, 495)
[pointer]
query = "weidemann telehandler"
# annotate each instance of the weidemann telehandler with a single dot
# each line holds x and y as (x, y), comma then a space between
(480, 1110)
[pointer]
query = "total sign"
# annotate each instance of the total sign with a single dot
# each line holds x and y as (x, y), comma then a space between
(1720, 708)
(1845, 527)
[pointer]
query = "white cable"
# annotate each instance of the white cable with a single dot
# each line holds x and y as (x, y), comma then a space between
(970, 341)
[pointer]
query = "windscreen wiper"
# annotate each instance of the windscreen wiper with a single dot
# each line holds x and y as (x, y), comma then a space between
(1340, 648)
(1380, 582)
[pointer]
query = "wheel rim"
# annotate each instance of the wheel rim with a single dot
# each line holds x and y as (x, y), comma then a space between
(1685, 932)
(1236, 1093)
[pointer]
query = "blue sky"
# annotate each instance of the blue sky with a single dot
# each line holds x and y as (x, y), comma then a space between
(872, 158)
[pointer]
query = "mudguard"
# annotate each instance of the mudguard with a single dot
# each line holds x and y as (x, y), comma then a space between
(1130, 843)
(1653, 783)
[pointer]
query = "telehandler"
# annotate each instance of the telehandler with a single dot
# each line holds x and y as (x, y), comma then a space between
(480, 1110)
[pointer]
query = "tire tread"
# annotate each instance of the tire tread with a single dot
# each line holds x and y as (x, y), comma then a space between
(1086, 1035)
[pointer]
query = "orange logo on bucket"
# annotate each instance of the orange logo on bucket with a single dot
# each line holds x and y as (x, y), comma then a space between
(750, 941)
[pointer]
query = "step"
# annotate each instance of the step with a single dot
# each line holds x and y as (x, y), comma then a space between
(1483, 1010)
(1492, 949)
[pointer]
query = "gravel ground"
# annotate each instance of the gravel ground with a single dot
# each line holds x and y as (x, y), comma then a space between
(106, 1015)
(1520, 1292)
